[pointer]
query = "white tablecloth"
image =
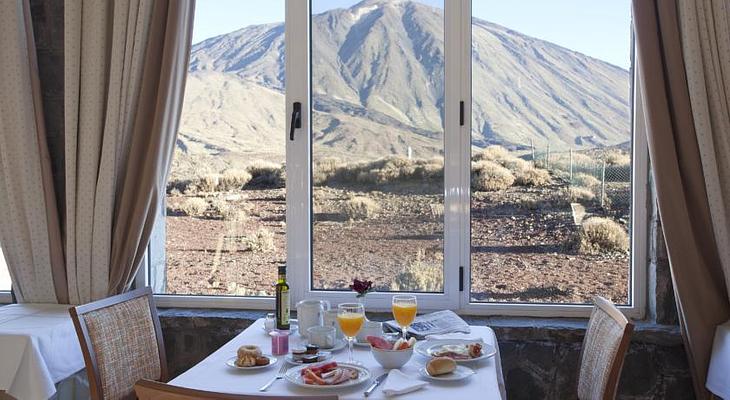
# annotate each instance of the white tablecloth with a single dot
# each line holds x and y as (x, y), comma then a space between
(718, 376)
(213, 374)
(39, 348)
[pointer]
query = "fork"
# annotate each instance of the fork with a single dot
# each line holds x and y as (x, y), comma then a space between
(278, 376)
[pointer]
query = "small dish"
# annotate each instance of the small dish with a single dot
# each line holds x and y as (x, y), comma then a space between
(231, 362)
(460, 373)
(392, 359)
(323, 356)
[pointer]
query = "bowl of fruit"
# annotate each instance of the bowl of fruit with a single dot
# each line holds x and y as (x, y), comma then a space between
(391, 355)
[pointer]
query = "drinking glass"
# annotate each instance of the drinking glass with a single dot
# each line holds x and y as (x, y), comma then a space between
(404, 311)
(350, 317)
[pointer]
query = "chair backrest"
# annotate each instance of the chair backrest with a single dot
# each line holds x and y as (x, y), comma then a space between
(121, 341)
(604, 348)
(150, 390)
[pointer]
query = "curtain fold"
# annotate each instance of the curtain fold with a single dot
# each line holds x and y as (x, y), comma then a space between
(30, 232)
(124, 77)
(682, 195)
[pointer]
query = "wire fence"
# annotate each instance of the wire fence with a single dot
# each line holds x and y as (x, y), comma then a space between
(604, 172)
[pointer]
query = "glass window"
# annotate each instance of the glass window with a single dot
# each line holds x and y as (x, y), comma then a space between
(551, 158)
(226, 196)
(378, 144)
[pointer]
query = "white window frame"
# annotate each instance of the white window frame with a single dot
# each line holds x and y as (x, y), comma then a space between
(457, 192)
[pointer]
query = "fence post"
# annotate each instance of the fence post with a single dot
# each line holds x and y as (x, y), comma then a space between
(547, 157)
(571, 166)
(532, 149)
(603, 182)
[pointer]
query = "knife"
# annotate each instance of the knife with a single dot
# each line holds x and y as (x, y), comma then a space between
(375, 384)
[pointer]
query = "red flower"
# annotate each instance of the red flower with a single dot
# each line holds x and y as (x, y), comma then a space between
(361, 287)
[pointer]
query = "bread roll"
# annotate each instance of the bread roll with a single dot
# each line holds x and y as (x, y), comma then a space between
(440, 366)
(247, 355)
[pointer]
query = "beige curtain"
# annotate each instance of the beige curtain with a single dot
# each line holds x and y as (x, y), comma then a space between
(125, 65)
(679, 152)
(705, 29)
(29, 231)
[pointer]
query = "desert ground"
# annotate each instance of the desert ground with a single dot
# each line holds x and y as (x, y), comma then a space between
(388, 228)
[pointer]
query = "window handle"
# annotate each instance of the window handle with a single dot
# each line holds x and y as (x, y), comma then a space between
(296, 119)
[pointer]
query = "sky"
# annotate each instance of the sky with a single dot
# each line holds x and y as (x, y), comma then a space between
(598, 28)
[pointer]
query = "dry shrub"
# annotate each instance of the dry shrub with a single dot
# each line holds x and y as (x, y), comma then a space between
(490, 176)
(325, 169)
(359, 208)
(533, 177)
(617, 157)
(267, 174)
(194, 206)
(492, 153)
(233, 179)
(515, 164)
(418, 277)
(578, 194)
(390, 170)
(208, 182)
(261, 241)
(601, 235)
(585, 180)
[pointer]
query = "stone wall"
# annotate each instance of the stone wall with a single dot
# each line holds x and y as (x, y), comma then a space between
(540, 357)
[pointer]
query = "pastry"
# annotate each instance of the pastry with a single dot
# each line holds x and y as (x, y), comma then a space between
(440, 366)
(247, 355)
(262, 360)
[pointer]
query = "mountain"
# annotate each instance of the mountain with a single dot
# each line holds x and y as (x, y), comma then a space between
(378, 88)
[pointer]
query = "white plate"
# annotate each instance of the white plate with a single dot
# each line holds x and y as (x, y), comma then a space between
(231, 362)
(426, 348)
(339, 345)
(294, 376)
(326, 355)
(461, 372)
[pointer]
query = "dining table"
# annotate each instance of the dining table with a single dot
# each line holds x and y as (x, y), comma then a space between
(213, 373)
(718, 377)
(39, 350)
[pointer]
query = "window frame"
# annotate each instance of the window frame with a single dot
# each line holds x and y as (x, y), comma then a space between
(457, 190)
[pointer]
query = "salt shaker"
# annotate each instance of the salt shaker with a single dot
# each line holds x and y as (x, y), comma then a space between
(269, 322)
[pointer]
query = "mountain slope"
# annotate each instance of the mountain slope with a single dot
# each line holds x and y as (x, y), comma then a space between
(378, 70)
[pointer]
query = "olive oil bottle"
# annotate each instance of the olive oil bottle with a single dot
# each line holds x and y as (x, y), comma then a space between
(282, 300)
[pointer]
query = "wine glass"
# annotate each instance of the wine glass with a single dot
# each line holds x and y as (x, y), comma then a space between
(350, 317)
(404, 311)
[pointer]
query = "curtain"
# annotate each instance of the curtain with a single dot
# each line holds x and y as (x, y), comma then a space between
(125, 64)
(30, 232)
(678, 147)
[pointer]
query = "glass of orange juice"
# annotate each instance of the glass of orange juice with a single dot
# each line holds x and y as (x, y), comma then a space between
(404, 310)
(350, 317)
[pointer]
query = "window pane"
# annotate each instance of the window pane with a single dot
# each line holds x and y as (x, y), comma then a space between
(226, 197)
(551, 145)
(4, 274)
(377, 120)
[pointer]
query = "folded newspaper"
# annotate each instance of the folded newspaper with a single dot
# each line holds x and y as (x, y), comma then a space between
(436, 323)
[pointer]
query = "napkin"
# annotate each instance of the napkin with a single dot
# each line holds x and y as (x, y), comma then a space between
(399, 383)
(457, 336)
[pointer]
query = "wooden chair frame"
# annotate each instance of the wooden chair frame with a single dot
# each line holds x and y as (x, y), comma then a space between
(170, 392)
(617, 363)
(92, 369)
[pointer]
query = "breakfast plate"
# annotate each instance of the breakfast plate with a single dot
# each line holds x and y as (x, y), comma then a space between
(294, 376)
(435, 348)
(461, 372)
(231, 362)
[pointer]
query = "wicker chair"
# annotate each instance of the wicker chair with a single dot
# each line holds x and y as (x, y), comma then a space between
(121, 341)
(150, 390)
(604, 349)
